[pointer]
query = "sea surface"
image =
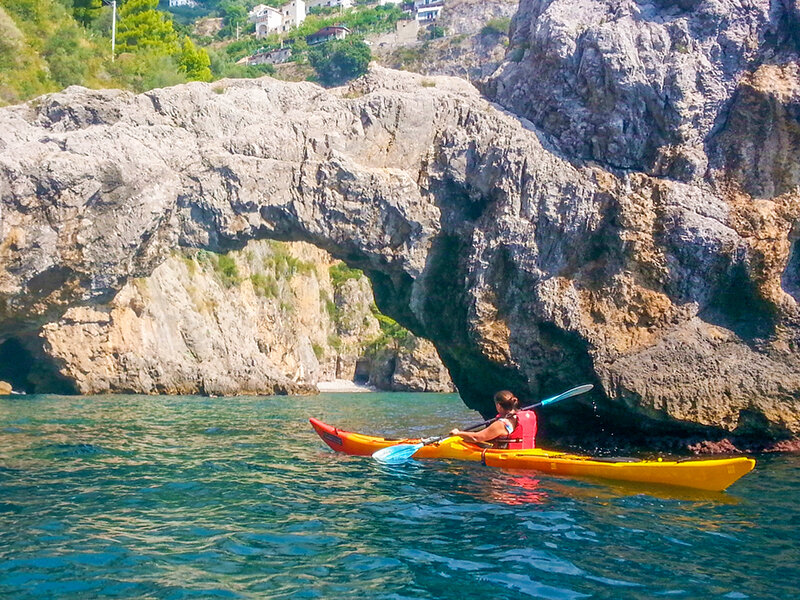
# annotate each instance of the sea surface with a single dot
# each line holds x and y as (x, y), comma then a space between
(191, 497)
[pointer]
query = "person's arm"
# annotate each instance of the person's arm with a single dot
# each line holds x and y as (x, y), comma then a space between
(495, 430)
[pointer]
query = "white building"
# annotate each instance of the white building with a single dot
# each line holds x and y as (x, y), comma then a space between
(267, 19)
(272, 57)
(427, 10)
(293, 13)
(191, 3)
(277, 20)
(326, 34)
(330, 3)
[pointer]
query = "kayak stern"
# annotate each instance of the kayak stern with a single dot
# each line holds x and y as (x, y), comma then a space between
(715, 474)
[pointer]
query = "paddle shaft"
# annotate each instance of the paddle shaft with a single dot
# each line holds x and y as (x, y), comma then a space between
(490, 421)
(581, 389)
(401, 452)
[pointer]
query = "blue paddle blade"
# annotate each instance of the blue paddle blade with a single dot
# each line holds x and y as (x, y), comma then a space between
(576, 391)
(394, 455)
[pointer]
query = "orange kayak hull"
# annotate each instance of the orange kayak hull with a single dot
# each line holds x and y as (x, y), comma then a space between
(715, 474)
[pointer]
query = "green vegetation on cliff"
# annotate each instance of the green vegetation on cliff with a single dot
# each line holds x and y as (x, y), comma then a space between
(393, 336)
(340, 272)
(46, 45)
(339, 61)
(497, 26)
(284, 264)
(42, 49)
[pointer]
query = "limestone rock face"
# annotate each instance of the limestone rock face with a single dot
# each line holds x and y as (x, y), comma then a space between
(414, 367)
(637, 85)
(466, 51)
(355, 324)
(192, 327)
(526, 270)
(259, 321)
(471, 57)
(470, 16)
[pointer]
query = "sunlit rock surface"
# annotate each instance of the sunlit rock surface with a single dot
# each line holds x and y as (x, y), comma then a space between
(639, 85)
(265, 320)
(526, 270)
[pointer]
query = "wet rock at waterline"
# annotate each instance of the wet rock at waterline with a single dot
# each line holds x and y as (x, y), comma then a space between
(525, 270)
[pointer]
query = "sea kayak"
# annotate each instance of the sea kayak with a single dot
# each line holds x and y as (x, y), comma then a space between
(714, 474)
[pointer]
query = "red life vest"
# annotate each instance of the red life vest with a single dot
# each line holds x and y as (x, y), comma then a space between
(524, 435)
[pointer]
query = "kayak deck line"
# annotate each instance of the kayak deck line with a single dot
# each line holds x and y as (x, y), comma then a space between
(715, 474)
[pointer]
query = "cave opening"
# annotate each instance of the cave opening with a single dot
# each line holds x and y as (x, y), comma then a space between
(29, 373)
(16, 364)
(738, 306)
(361, 375)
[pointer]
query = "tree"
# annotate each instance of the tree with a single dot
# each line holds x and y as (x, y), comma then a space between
(339, 61)
(150, 34)
(234, 14)
(194, 62)
(141, 26)
(67, 57)
(86, 11)
(146, 69)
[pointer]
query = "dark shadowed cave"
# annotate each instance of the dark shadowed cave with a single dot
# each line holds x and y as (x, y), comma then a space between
(28, 373)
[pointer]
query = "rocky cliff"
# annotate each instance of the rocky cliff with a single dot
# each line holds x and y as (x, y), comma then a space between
(269, 319)
(648, 86)
(470, 16)
(473, 46)
(672, 287)
(704, 93)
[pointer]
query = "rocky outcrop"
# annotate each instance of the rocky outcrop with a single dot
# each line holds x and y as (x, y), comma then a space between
(471, 57)
(755, 150)
(470, 16)
(525, 270)
(355, 324)
(413, 366)
(469, 49)
(208, 26)
(637, 85)
(264, 320)
(200, 324)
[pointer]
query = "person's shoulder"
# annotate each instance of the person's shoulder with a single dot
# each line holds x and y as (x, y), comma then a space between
(509, 423)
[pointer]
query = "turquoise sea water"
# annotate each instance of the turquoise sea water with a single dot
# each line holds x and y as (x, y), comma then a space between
(189, 497)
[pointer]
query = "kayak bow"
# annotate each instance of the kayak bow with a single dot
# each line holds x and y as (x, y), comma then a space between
(715, 474)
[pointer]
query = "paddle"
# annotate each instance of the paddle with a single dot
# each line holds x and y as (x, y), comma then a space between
(400, 453)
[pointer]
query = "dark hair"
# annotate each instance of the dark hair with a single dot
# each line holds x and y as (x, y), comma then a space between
(506, 400)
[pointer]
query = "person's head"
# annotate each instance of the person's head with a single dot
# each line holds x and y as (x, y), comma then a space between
(505, 402)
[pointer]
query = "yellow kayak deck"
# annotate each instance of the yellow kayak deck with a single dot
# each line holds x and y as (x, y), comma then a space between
(713, 474)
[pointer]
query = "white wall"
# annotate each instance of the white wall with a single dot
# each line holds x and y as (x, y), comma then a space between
(267, 22)
(293, 14)
(342, 3)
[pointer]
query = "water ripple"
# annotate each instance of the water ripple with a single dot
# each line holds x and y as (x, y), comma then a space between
(185, 497)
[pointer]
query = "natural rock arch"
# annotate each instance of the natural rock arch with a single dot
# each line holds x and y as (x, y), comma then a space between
(525, 270)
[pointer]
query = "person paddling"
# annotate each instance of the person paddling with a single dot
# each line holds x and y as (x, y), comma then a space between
(514, 429)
